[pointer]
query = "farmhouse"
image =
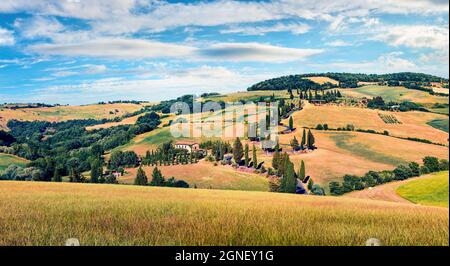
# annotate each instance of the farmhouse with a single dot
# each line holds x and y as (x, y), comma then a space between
(318, 102)
(187, 145)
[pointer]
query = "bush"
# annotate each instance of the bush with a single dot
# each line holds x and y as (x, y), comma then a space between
(443, 165)
(317, 190)
(402, 172)
(432, 163)
(424, 170)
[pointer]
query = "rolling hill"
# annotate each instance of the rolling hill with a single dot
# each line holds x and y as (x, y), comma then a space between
(64, 113)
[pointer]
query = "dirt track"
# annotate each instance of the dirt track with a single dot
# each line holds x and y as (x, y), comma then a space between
(384, 192)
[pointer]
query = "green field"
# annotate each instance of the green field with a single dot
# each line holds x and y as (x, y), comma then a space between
(441, 124)
(343, 141)
(35, 213)
(7, 159)
(431, 191)
(444, 110)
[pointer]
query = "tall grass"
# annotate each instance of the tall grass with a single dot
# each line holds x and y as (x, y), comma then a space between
(50, 213)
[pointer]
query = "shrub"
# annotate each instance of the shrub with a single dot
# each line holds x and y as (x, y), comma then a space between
(443, 165)
(424, 170)
(432, 163)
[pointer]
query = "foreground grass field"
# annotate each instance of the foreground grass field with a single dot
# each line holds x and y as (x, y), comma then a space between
(432, 190)
(7, 159)
(50, 213)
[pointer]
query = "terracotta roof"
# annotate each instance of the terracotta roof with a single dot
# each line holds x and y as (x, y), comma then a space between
(185, 143)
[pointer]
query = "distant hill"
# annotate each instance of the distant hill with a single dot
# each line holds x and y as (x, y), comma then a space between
(346, 80)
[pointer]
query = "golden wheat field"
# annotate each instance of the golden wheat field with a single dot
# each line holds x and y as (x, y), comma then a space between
(63, 113)
(50, 213)
(322, 80)
(206, 175)
(340, 153)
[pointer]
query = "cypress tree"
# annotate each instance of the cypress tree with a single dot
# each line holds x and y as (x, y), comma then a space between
(157, 178)
(294, 144)
(311, 140)
(237, 151)
(254, 159)
(96, 170)
(310, 184)
(246, 156)
(141, 178)
(302, 171)
(302, 145)
(276, 159)
(290, 180)
(291, 123)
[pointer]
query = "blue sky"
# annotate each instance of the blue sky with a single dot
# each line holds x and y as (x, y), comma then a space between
(86, 51)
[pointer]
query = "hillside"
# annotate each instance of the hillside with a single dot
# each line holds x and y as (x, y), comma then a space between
(413, 124)
(396, 94)
(64, 113)
(431, 189)
(346, 80)
(49, 213)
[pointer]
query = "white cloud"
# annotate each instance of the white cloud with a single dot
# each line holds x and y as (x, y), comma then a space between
(386, 63)
(140, 49)
(38, 27)
(295, 28)
(129, 16)
(170, 84)
(88, 69)
(6, 37)
(114, 48)
(255, 52)
(415, 36)
(339, 43)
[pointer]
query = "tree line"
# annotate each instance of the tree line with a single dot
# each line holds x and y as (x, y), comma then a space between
(67, 148)
(372, 178)
(346, 80)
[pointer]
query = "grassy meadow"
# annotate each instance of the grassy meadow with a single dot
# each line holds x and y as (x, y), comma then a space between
(7, 159)
(441, 124)
(432, 190)
(49, 213)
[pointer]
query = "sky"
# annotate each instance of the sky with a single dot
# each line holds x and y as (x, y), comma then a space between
(86, 51)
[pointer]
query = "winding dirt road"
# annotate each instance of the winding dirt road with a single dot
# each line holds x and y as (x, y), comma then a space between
(384, 192)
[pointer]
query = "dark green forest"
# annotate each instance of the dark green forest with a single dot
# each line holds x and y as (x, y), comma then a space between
(346, 80)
